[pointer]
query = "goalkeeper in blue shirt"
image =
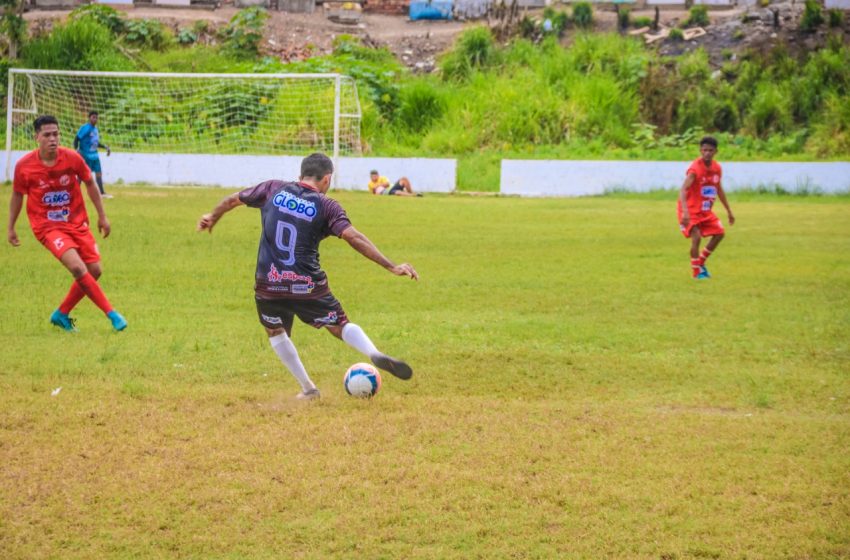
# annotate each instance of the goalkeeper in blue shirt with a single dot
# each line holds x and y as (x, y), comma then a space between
(87, 141)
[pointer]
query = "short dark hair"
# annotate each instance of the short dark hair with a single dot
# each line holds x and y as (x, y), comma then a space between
(710, 140)
(43, 120)
(316, 166)
(93, 113)
(374, 172)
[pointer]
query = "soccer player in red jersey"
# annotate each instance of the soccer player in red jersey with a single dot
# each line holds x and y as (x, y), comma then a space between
(701, 188)
(50, 179)
(289, 281)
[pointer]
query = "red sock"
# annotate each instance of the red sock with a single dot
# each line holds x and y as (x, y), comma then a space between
(704, 256)
(695, 267)
(92, 289)
(75, 294)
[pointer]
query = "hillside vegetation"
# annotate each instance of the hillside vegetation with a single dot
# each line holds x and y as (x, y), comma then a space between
(603, 96)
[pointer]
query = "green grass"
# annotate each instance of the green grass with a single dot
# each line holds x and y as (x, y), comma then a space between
(576, 395)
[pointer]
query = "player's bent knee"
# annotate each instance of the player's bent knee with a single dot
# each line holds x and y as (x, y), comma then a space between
(275, 332)
(335, 330)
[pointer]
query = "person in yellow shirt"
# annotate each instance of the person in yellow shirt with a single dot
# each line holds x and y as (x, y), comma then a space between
(381, 185)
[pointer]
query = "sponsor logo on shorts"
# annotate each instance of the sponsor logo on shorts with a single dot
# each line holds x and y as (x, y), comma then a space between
(283, 289)
(709, 191)
(290, 204)
(272, 320)
(58, 243)
(330, 319)
(56, 198)
(58, 215)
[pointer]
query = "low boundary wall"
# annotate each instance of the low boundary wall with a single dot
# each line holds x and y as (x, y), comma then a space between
(581, 178)
(236, 171)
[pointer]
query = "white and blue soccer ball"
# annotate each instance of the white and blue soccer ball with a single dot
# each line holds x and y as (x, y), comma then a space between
(362, 381)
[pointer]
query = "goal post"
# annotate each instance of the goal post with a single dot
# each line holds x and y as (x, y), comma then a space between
(215, 114)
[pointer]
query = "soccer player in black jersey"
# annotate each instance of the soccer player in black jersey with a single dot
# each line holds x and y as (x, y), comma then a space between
(289, 281)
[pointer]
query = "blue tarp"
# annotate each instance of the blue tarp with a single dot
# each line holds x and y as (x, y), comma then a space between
(433, 9)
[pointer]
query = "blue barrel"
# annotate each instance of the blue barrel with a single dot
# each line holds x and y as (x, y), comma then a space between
(433, 9)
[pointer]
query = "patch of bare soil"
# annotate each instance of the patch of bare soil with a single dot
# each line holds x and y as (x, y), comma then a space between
(299, 36)
(418, 44)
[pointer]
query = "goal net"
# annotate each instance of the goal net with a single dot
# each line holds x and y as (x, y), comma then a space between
(257, 114)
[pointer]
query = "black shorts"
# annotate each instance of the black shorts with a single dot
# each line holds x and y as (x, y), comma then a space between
(394, 189)
(320, 312)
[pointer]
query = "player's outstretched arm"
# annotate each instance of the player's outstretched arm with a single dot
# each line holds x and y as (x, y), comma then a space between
(365, 247)
(722, 196)
(209, 220)
(15, 205)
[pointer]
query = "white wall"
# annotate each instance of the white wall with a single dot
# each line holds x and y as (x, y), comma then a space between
(426, 175)
(578, 178)
(838, 4)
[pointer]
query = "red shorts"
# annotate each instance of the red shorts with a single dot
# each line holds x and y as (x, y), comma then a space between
(58, 241)
(707, 224)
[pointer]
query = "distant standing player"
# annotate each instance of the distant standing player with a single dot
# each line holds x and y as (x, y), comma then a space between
(87, 141)
(696, 199)
(289, 281)
(50, 179)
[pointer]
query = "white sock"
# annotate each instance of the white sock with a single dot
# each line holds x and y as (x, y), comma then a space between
(285, 350)
(354, 336)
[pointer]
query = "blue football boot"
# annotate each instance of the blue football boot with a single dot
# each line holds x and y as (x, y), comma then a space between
(62, 321)
(119, 323)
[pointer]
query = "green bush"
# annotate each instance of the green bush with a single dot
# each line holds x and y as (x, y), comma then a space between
(695, 67)
(770, 110)
(421, 104)
(147, 34)
(812, 16)
(642, 21)
(836, 18)
(81, 44)
(243, 34)
(475, 49)
(583, 15)
(105, 15)
(831, 133)
(186, 36)
(698, 16)
(676, 34)
(5, 64)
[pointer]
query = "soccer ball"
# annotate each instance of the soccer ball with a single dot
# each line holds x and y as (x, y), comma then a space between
(362, 381)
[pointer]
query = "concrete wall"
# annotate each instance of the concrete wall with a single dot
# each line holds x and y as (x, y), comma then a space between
(578, 178)
(838, 4)
(426, 175)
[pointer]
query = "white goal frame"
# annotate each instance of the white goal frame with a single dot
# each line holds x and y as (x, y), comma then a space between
(30, 107)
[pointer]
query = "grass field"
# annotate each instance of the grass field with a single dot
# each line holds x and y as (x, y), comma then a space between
(576, 394)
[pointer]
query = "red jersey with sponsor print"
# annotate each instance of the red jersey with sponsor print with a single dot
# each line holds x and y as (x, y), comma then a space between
(703, 192)
(54, 198)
